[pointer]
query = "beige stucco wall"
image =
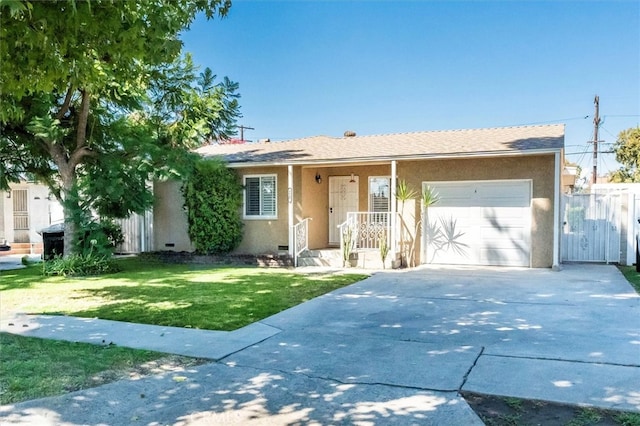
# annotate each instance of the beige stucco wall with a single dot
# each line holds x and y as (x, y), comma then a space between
(260, 236)
(171, 231)
(539, 168)
(310, 200)
(266, 235)
(315, 197)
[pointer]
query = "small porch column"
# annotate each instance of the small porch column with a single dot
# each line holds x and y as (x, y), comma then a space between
(290, 210)
(394, 209)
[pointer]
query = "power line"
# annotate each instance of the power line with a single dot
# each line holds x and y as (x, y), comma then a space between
(582, 117)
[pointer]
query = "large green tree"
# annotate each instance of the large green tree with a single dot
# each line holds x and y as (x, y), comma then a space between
(97, 97)
(627, 149)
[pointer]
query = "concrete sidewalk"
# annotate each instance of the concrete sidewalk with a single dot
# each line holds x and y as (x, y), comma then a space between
(210, 344)
(395, 348)
(14, 261)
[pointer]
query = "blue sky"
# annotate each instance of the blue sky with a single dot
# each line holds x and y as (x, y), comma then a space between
(307, 68)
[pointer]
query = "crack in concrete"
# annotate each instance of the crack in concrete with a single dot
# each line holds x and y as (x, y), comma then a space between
(338, 381)
(576, 361)
(466, 375)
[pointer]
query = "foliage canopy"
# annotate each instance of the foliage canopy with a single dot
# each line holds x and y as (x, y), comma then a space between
(97, 98)
(627, 149)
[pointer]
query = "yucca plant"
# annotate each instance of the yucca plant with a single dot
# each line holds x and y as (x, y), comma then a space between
(404, 193)
(428, 199)
(384, 249)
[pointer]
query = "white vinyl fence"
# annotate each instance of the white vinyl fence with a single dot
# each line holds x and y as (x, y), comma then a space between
(138, 233)
(592, 227)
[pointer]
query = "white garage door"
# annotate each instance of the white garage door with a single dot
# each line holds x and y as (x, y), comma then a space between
(479, 223)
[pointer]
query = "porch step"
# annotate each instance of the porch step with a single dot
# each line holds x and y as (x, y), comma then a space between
(325, 257)
(370, 259)
(366, 259)
(23, 248)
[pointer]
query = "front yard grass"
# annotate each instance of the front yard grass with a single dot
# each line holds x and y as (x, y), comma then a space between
(631, 275)
(145, 291)
(152, 292)
(34, 368)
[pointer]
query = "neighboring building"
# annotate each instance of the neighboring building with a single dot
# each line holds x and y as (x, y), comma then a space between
(499, 194)
(24, 210)
(569, 178)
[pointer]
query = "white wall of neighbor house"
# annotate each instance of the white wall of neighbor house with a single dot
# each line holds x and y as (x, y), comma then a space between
(42, 210)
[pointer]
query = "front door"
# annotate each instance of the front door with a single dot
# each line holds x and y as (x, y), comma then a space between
(343, 198)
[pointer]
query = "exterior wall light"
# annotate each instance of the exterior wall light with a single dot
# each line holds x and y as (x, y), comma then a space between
(318, 178)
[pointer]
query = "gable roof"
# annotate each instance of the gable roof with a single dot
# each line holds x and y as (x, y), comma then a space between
(416, 145)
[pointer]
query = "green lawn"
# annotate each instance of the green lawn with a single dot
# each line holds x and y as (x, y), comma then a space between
(145, 291)
(632, 276)
(151, 292)
(34, 368)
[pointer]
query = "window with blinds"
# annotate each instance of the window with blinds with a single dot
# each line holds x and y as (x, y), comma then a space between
(379, 194)
(260, 197)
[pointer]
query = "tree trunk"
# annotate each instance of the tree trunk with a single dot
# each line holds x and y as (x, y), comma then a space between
(69, 206)
(67, 163)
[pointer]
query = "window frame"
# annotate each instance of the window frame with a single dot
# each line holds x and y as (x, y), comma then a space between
(370, 195)
(261, 215)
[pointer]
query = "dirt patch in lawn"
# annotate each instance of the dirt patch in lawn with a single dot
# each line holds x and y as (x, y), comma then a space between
(505, 411)
(164, 365)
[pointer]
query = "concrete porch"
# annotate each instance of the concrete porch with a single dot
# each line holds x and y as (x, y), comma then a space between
(332, 257)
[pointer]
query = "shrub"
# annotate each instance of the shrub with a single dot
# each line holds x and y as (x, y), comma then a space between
(213, 197)
(80, 265)
(99, 237)
(94, 250)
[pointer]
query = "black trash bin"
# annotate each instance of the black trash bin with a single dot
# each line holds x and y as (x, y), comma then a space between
(53, 241)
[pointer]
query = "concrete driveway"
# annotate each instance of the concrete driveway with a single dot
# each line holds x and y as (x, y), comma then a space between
(570, 336)
(398, 348)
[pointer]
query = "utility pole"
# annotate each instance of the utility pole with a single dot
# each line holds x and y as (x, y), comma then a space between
(596, 125)
(242, 131)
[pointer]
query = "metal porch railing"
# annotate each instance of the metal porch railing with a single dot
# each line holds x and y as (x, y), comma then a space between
(300, 239)
(366, 231)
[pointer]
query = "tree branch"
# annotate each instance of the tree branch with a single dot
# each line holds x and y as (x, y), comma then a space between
(65, 105)
(81, 134)
(79, 153)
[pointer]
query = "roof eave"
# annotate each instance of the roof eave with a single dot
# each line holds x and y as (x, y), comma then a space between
(370, 159)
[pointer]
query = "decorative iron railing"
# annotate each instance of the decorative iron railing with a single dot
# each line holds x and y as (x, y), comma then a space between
(367, 230)
(300, 238)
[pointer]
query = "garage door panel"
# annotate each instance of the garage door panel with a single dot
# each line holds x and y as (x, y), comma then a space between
(460, 213)
(504, 212)
(480, 223)
(450, 238)
(502, 257)
(513, 193)
(505, 234)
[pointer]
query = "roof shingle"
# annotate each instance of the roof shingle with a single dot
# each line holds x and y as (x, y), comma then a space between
(445, 143)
